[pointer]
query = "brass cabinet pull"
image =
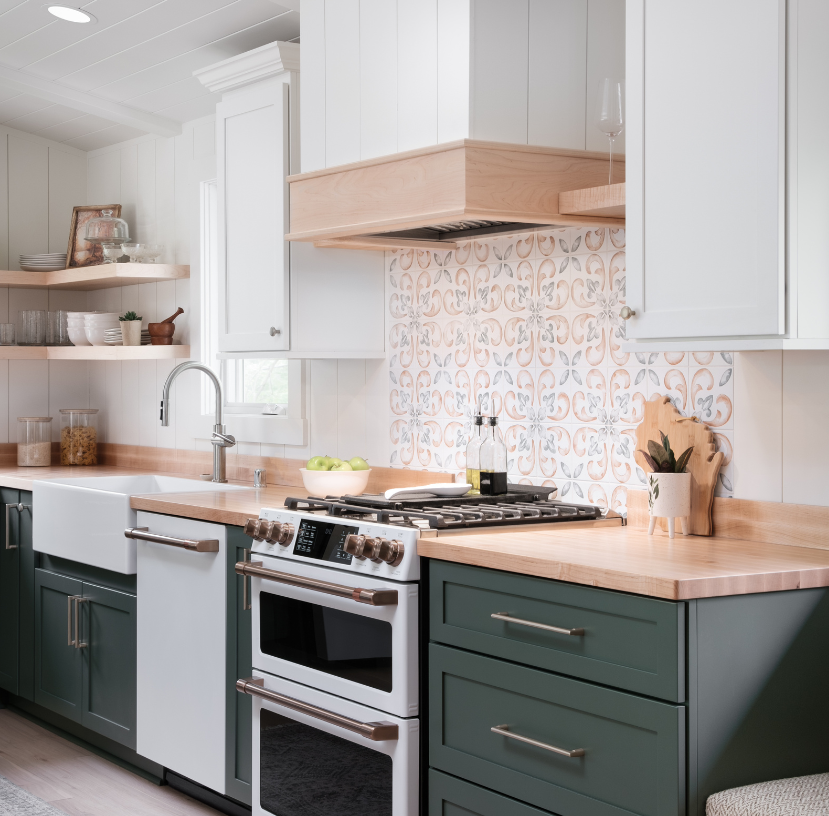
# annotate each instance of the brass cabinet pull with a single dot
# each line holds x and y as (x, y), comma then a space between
(373, 597)
(503, 616)
(20, 508)
(69, 599)
(504, 731)
(79, 600)
(376, 731)
(194, 545)
(245, 589)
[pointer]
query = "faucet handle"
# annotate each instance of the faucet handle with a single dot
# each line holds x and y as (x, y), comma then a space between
(223, 440)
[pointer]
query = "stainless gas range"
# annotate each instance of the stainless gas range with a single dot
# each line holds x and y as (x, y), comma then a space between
(335, 596)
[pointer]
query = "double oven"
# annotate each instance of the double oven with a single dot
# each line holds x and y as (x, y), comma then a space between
(335, 687)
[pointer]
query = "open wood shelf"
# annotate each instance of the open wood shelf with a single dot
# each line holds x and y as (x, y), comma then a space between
(607, 201)
(103, 276)
(94, 352)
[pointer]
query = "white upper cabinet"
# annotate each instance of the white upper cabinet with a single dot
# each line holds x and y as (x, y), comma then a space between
(706, 153)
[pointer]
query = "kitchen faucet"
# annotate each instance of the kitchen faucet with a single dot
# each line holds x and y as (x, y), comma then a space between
(221, 440)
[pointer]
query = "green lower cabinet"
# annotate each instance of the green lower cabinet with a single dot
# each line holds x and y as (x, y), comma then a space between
(449, 796)
(85, 654)
(633, 760)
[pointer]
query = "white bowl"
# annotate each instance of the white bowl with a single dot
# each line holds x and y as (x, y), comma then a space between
(323, 483)
(101, 318)
(96, 337)
(78, 337)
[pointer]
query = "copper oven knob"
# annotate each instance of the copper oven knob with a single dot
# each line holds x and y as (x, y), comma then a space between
(286, 535)
(391, 552)
(256, 529)
(371, 548)
(270, 531)
(251, 527)
(354, 545)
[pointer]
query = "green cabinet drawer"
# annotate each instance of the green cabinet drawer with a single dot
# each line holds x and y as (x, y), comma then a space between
(449, 796)
(634, 747)
(628, 642)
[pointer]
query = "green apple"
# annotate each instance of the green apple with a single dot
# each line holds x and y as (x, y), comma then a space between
(342, 466)
(333, 462)
(317, 463)
(358, 463)
(327, 460)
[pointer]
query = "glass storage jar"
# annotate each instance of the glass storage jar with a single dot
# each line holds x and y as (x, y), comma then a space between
(34, 441)
(107, 229)
(79, 436)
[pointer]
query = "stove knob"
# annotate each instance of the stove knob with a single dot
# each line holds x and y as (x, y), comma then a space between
(371, 548)
(286, 535)
(354, 545)
(391, 552)
(255, 528)
(270, 531)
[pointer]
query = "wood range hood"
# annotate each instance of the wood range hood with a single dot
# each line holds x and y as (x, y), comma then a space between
(436, 196)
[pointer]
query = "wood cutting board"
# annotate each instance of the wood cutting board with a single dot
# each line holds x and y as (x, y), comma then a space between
(704, 464)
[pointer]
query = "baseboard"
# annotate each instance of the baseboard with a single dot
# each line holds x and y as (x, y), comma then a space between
(85, 738)
(208, 797)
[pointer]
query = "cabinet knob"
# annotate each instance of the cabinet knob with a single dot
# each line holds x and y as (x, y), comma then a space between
(626, 313)
(275, 331)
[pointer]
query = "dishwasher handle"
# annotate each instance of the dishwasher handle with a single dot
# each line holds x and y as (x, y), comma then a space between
(192, 544)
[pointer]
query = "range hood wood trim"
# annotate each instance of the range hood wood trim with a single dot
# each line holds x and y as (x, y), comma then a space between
(607, 201)
(465, 180)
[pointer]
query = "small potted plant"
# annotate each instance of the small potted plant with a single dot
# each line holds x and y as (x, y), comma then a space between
(131, 328)
(669, 486)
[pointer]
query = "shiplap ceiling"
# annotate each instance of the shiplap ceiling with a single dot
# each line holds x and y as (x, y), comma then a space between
(130, 73)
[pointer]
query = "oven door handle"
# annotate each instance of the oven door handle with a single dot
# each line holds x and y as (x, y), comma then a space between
(373, 597)
(376, 731)
(192, 544)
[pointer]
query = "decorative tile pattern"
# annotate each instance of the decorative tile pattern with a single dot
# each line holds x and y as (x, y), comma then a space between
(529, 324)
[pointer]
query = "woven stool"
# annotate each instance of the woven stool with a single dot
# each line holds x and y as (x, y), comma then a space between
(799, 796)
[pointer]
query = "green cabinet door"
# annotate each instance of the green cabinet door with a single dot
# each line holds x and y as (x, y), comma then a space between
(28, 562)
(239, 664)
(9, 594)
(450, 796)
(58, 663)
(108, 646)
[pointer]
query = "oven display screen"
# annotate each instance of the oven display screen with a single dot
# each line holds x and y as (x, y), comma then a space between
(323, 541)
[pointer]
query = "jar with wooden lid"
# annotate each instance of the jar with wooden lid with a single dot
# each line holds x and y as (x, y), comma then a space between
(34, 441)
(79, 436)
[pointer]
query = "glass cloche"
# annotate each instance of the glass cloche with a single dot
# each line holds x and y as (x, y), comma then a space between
(107, 229)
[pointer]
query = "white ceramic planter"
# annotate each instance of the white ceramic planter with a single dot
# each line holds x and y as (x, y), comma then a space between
(669, 496)
(131, 332)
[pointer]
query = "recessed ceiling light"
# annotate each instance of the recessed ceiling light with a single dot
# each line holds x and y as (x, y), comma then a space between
(72, 15)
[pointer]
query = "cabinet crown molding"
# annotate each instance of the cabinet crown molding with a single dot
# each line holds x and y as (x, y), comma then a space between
(265, 62)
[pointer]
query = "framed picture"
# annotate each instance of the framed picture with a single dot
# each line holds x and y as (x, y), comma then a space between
(80, 252)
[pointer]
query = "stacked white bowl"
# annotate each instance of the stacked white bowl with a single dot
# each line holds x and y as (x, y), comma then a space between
(96, 326)
(75, 323)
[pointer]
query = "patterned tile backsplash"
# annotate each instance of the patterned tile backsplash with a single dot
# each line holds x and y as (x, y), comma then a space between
(530, 324)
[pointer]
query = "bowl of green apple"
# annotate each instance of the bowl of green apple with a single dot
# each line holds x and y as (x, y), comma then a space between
(330, 476)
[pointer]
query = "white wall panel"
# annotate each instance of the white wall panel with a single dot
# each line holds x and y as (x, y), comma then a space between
(28, 391)
(351, 408)
(28, 164)
(342, 82)
(322, 414)
(130, 407)
(557, 73)
(4, 202)
(312, 71)
(165, 198)
(145, 212)
(128, 159)
(500, 70)
(68, 388)
(104, 179)
(67, 189)
(4, 405)
(378, 78)
(453, 69)
(417, 73)
(605, 58)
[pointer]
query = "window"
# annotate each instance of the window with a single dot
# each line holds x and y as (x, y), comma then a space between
(252, 385)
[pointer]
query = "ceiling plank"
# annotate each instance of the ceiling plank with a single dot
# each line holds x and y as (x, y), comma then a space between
(88, 103)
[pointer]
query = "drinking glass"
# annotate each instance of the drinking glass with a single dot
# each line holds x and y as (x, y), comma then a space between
(610, 112)
(57, 329)
(33, 327)
(6, 334)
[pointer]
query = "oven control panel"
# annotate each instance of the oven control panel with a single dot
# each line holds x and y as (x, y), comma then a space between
(372, 548)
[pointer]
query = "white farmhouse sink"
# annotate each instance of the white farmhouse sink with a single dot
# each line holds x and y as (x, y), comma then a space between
(84, 519)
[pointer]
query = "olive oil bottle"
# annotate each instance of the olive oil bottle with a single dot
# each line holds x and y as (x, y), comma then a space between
(473, 455)
(493, 461)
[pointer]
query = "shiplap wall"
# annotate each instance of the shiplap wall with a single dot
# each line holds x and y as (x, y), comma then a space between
(40, 182)
(384, 76)
(157, 183)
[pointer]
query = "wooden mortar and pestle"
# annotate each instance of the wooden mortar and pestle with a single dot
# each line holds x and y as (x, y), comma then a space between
(161, 334)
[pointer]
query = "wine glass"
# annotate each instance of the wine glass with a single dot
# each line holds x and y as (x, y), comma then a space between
(610, 112)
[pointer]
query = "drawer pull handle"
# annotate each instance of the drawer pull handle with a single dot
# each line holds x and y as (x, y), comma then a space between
(504, 731)
(509, 619)
(194, 545)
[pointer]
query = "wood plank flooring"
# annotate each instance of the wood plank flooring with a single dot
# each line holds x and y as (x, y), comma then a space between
(78, 782)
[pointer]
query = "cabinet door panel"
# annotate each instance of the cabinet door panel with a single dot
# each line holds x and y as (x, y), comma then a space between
(108, 628)
(253, 149)
(58, 665)
(28, 559)
(706, 148)
(9, 596)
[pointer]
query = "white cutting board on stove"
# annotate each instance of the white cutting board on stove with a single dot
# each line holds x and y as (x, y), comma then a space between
(444, 490)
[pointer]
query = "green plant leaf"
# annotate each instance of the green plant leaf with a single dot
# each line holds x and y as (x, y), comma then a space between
(652, 463)
(657, 451)
(129, 316)
(682, 462)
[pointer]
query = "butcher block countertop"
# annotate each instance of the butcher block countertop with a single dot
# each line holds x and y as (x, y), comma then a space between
(606, 555)
(628, 559)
